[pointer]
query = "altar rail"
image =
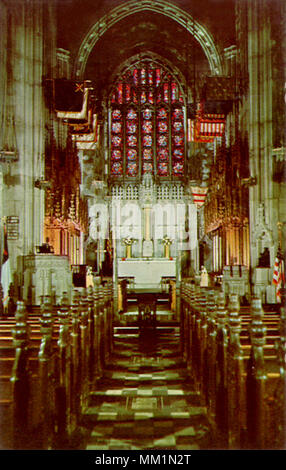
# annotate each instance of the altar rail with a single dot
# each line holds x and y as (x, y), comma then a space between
(48, 362)
(236, 356)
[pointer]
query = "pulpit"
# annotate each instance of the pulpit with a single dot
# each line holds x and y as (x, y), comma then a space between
(46, 274)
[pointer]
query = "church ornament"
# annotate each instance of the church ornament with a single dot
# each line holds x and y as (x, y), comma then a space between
(167, 242)
(128, 242)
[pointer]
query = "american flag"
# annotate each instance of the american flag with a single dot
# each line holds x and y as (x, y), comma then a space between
(6, 277)
(279, 275)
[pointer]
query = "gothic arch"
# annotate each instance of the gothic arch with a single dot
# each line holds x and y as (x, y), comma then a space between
(162, 7)
(156, 58)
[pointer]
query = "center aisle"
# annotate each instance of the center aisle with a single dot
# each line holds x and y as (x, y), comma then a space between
(145, 399)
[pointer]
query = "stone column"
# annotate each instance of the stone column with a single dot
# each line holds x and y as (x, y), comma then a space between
(31, 50)
(260, 119)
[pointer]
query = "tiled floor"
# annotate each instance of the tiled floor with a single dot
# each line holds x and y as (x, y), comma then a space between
(145, 400)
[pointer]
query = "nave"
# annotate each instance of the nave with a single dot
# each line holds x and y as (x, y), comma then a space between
(78, 377)
(146, 399)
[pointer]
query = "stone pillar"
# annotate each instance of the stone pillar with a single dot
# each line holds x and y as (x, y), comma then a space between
(30, 51)
(260, 120)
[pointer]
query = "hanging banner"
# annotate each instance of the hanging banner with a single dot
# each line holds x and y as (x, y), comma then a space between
(89, 136)
(72, 100)
(206, 126)
(199, 195)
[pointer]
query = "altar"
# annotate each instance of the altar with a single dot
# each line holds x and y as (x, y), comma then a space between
(148, 274)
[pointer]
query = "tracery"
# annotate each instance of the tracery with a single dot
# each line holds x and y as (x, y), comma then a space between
(147, 123)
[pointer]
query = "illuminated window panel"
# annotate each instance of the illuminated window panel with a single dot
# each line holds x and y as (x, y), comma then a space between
(178, 140)
(131, 114)
(162, 140)
(128, 93)
(120, 93)
(147, 153)
(162, 154)
(116, 154)
(143, 76)
(147, 126)
(147, 140)
(116, 114)
(158, 76)
(162, 113)
(131, 127)
(116, 127)
(162, 126)
(147, 113)
(135, 76)
(132, 140)
(131, 169)
(178, 168)
(143, 97)
(166, 92)
(162, 168)
(134, 97)
(178, 126)
(178, 153)
(116, 168)
(174, 92)
(151, 97)
(147, 167)
(178, 113)
(131, 154)
(116, 140)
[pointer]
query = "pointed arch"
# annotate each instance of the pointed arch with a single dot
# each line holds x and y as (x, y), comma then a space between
(162, 7)
(155, 58)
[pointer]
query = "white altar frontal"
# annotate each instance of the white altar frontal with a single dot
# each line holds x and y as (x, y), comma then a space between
(147, 274)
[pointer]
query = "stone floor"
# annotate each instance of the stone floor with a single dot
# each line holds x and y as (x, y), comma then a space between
(145, 399)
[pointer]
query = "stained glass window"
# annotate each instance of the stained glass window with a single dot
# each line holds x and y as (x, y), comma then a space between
(147, 131)
(131, 154)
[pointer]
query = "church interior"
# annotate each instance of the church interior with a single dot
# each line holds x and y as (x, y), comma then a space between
(142, 220)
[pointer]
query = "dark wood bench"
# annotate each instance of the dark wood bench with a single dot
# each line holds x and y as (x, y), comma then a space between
(235, 356)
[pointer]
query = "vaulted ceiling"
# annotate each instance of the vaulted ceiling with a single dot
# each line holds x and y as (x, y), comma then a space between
(142, 32)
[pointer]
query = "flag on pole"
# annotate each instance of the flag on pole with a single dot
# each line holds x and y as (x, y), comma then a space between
(279, 275)
(6, 277)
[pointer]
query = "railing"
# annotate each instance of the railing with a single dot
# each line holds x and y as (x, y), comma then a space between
(236, 356)
(49, 364)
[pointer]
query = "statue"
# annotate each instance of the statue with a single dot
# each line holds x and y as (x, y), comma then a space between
(204, 282)
(89, 277)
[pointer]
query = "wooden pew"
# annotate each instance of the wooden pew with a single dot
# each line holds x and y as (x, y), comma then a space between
(219, 345)
(48, 365)
(28, 371)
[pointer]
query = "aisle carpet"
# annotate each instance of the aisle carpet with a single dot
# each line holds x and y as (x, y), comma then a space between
(145, 398)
